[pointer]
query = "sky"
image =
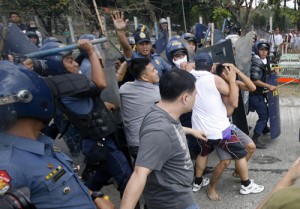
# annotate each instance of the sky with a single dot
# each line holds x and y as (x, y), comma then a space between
(290, 4)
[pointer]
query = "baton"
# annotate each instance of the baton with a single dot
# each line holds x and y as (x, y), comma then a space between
(281, 85)
(62, 49)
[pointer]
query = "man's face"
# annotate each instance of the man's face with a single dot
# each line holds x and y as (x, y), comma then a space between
(190, 99)
(150, 74)
(263, 53)
(192, 45)
(15, 18)
(277, 31)
(164, 26)
(33, 40)
(70, 64)
(144, 48)
(179, 56)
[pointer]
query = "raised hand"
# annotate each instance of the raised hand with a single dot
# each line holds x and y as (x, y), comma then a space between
(118, 18)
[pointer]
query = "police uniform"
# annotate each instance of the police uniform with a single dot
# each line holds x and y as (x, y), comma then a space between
(157, 61)
(257, 101)
(46, 171)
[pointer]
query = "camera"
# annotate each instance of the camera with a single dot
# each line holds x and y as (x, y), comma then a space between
(16, 199)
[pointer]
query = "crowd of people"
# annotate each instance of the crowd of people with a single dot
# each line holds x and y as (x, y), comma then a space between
(176, 111)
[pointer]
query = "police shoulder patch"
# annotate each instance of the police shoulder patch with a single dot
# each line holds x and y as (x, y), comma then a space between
(4, 182)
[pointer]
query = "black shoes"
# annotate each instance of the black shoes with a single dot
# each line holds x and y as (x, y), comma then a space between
(266, 130)
(259, 145)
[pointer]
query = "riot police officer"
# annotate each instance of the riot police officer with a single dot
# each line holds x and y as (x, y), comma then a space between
(29, 158)
(177, 53)
(88, 114)
(191, 39)
(259, 70)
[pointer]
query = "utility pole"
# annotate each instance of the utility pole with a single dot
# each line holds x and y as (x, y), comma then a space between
(183, 16)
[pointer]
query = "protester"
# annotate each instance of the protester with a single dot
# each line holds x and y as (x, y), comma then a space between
(210, 116)
(163, 168)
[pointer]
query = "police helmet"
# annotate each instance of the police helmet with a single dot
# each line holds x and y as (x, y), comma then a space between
(190, 37)
(174, 47)
(54, 62)
(176, 37)
(261, 44)
(23, 94)
(163, 20)
(32, 34)
(50, 39)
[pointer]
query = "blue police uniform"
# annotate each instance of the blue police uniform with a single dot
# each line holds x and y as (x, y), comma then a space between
(116, 165)
(46, 171)
(257, 101)
(157, 61)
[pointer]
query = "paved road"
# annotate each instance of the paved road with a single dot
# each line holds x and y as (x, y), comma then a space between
(266, 167)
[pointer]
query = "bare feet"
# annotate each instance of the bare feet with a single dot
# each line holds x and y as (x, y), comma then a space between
(213, 195)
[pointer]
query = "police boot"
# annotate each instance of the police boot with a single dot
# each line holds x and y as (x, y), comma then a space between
(266, 130)
(259, 145)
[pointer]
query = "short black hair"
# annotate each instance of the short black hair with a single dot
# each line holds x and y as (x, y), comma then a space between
(174, 82)
(137, 66)
(219, 69)
(13, 13)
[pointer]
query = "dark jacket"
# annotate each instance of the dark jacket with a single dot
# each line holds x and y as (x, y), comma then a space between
(259, 71)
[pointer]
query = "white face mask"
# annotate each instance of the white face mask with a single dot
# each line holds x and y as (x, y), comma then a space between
(179, 61)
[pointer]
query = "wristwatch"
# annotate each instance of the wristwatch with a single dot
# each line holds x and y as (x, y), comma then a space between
(96, 194)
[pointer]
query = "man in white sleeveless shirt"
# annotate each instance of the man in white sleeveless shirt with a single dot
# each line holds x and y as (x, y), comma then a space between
(210, 116)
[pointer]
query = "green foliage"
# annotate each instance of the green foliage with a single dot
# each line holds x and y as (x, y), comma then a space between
(219, 14)
(55, 6)
(259, 21)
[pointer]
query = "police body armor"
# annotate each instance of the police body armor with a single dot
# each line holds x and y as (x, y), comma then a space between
(259, 71)
(97, 124)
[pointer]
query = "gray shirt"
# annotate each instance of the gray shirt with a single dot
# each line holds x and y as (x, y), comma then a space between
(164, 150)
(136, 98)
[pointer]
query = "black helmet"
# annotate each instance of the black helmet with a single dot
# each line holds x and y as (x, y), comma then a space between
(261, 44)
(32, 34)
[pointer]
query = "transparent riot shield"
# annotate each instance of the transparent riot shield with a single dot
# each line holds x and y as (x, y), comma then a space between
(17, 42)
(110, 94)
(218, 35)
(243, 49)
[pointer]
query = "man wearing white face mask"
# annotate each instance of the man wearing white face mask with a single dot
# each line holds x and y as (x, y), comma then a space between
(177, 53)
(179, 57)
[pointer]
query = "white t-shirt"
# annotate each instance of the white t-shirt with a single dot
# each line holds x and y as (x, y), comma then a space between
(275, 40)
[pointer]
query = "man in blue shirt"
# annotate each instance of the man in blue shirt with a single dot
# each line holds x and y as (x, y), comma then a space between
(143, 44)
